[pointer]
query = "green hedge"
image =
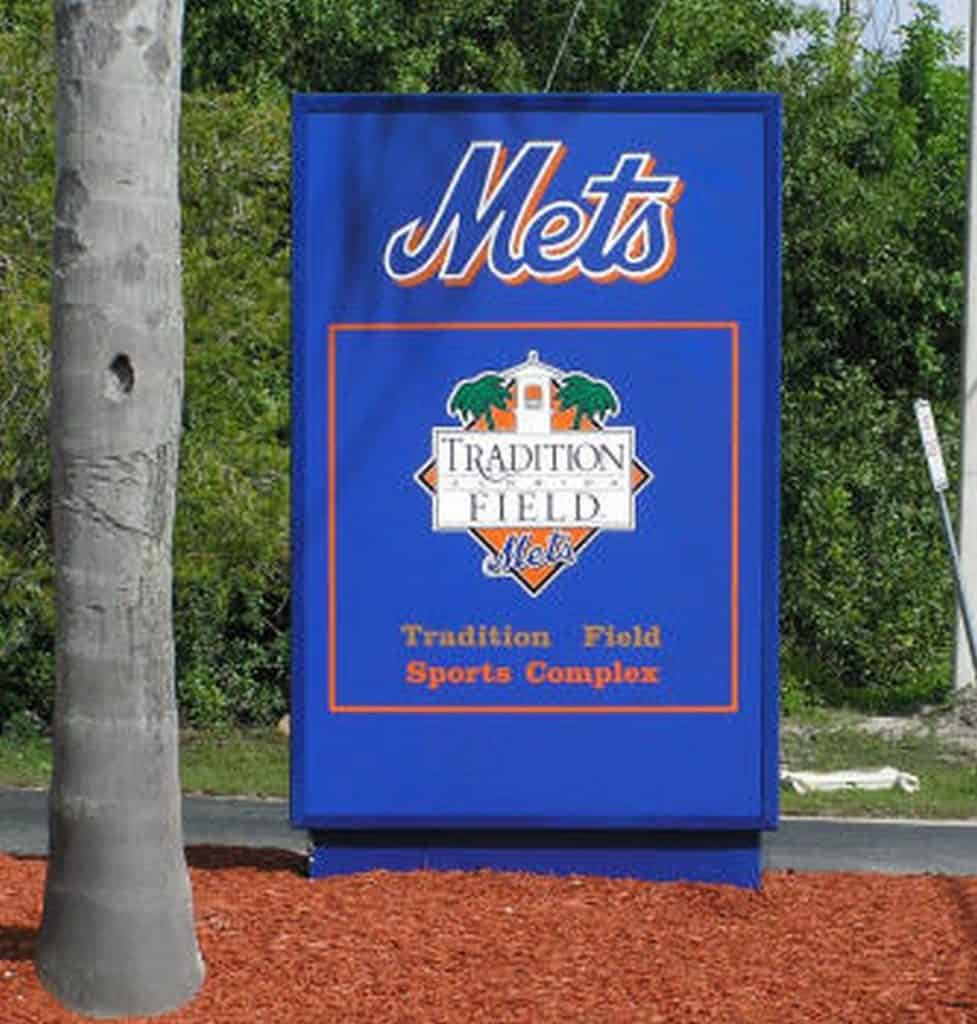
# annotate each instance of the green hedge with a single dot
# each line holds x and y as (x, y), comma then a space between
(866, 590)
(26, 198)
(873, 212)
(231, 540)
(231, 588)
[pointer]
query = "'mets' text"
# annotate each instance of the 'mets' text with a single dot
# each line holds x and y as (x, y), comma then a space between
(497, 214)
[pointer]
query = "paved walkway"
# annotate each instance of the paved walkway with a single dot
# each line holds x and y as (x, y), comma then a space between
(802, 844)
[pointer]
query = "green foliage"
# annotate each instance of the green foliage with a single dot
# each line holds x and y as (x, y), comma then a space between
(26, 605)
(866, 596)
(231, 540)
(875, 166)
(475, 399)
(798, 691)
(587, 397)
(873, 223)
(26, 16)
(873, 212)
(327, 46)
(26, 197)
(480, 45)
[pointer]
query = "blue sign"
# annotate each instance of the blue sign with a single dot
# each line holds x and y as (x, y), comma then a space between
(535, 436)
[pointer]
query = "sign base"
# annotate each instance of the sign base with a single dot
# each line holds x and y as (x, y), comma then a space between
(718, 857)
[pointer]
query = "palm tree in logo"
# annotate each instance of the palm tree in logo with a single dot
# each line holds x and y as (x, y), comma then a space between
(474, 399)
(594, 399)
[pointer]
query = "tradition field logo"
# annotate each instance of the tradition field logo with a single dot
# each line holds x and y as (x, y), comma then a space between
(532, 474)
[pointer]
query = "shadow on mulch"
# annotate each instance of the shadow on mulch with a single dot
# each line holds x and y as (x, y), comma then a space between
(965, 903)
(17, 943)
(220, 858)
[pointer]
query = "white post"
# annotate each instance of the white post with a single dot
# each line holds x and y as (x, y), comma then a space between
(938, 477)
(963, 675)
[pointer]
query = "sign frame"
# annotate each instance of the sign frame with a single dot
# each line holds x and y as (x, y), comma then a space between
(712, 847)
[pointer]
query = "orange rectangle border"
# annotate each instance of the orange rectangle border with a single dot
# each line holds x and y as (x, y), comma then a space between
(732, 707)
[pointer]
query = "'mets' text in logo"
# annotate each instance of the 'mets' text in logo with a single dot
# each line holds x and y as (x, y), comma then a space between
(498, 214)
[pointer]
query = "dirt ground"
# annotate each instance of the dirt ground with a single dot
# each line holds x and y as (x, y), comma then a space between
(954, 724)
(494, 948)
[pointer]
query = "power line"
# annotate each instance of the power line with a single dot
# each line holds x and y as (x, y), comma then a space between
(563, 45)
(644, 39)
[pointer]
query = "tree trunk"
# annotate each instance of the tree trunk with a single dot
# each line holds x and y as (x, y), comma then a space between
(117, 936)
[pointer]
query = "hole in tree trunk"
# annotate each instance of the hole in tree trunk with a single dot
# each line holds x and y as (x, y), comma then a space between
(121, 377)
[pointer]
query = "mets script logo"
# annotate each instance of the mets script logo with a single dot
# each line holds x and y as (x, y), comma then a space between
(496, 213)
(532, 473)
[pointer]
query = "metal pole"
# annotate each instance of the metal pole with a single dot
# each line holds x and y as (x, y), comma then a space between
(941, 484)
(963, 675)
(965, 616)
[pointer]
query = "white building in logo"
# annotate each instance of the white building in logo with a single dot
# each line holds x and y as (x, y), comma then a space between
(533, 394)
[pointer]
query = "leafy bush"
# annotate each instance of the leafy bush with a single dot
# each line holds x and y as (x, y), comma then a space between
(481, 45)
(867, 597)
(26, 197)
(874, 212)
(873, 222)
(231, 536)
(875, 155)
(26, 604)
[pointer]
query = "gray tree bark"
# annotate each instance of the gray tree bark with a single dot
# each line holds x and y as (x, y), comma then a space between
(117, 936)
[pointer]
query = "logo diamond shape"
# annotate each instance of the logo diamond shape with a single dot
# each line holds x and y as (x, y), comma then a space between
(533, 473)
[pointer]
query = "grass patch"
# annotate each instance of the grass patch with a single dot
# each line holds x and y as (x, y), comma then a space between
(832, 742)
(25, 761)
(253, 763)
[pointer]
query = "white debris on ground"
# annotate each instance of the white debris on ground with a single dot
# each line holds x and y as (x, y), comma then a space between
(859, 778)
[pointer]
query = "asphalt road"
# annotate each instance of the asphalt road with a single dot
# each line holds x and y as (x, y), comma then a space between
(802, 844)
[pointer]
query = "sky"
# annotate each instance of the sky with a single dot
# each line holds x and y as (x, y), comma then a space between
(885, 15)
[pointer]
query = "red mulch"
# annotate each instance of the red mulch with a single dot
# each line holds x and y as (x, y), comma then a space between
(427, 948)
